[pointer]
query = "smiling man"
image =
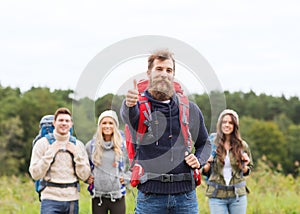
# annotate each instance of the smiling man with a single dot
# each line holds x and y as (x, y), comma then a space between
(60, 162)
(164, 161)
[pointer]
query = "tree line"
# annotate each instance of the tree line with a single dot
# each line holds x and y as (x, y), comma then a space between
(270, 125)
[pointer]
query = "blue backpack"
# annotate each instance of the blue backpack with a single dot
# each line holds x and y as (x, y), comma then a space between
(46, 130)
(46, 127)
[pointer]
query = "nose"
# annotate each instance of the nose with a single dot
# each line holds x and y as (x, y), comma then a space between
(164, 73)
(106, 125)
(226, 123)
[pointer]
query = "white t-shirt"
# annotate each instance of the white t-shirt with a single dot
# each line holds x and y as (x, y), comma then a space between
(227, 170)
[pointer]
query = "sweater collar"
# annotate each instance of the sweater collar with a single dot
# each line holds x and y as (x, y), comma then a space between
(107, 145)
(60, 137)
(151, 99)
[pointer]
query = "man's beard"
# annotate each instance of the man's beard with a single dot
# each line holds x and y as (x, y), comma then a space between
(161, 88)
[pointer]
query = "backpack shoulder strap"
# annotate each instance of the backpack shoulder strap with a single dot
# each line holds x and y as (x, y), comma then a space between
(184, 115)
(50, 137)
(72, 139)
(212, 138)
(129, 144)
(145, 111)
(92, 147)
(145, 117)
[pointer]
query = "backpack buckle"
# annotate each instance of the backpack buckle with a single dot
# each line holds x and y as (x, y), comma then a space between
(167, 178)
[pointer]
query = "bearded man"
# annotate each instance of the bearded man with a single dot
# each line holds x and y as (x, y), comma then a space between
(166, 184)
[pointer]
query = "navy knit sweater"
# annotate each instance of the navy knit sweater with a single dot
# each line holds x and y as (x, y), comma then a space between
(163, 150)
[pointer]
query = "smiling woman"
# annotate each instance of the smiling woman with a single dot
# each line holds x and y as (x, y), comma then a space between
(107, 126)
(227, 168)
(107, 181)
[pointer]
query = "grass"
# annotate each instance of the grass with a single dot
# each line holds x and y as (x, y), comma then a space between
(271, 193)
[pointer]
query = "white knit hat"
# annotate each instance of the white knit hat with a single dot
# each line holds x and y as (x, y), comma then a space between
(229, 111)
(109, 113)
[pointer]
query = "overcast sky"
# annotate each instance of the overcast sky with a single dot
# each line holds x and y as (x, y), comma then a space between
(251, 45)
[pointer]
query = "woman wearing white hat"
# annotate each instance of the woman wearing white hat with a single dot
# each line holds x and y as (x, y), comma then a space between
(227, 167)
(105, 152)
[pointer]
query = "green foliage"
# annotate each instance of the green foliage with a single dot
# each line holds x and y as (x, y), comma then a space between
(211, 105)
(265, 139)
(293, 139)
(11, 145)
(270, 192)
(84, 119)
(269, 124)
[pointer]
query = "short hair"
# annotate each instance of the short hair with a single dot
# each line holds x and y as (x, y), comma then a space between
(62, 110)
(161, 55)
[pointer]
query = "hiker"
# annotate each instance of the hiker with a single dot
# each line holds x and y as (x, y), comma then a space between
(164, 163)
(227, 168)
(105, 152)
(61, 164)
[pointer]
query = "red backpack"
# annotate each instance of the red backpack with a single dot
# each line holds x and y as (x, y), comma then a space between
(144, 124)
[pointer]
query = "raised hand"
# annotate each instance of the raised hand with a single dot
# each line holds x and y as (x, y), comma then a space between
(132, 95)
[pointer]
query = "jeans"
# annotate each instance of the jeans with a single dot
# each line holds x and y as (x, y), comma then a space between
(185, 203)
(62, 207)
(228, 205)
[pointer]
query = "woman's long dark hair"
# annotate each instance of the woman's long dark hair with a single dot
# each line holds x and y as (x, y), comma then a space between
(235, 142)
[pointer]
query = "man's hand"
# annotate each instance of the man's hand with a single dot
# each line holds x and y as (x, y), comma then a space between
(54, 147)
(132, 95)
(71, 147)
(91, 179)
(192, 160)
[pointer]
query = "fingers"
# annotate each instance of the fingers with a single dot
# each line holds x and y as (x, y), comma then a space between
(245, 158)
(90, 179)
(70, 147)
(132, 95)
(192, 160)
(55, 147)
(210, 159)
(135, 85)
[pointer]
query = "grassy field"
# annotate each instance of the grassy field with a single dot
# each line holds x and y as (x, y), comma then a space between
(271, 193)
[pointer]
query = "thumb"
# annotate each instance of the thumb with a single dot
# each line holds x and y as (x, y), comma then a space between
(134, 84)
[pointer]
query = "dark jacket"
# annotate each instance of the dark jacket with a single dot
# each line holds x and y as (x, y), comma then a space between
(162, 151)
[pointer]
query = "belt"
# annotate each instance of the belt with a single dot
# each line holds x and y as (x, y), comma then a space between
(166, 177)
(226, 188)
(51, 184)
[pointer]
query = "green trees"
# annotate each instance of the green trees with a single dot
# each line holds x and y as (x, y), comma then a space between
(266, 140)
(270, 125)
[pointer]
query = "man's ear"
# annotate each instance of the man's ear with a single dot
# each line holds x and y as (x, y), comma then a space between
(148, 73)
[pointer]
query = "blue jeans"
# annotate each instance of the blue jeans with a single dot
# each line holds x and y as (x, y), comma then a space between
(185, 203)
(228, 205)
(62, 207)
